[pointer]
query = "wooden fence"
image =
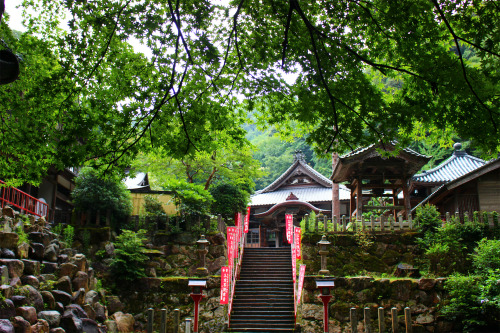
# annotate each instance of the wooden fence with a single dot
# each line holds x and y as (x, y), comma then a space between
(322, 224)
(381, 322)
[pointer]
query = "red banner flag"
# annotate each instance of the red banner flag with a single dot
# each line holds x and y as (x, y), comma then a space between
(294, 264)
(247, 221)
(289, 227)
(297, 242)
(302, 274)
(224, 285)
(232, 242)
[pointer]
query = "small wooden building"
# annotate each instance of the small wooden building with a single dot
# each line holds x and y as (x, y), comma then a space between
(378, 171)
(457, 165)
(478, 190)
(300, 190)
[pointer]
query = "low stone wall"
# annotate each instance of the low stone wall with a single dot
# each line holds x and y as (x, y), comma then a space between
(352, 254)
(422, 296)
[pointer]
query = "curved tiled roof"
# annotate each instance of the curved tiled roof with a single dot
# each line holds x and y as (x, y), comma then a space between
(307, 194)
(391, 144)
(459, 164)
(299, 162)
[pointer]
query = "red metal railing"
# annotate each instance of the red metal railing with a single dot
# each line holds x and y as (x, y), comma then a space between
(26, 203)
(236, 269)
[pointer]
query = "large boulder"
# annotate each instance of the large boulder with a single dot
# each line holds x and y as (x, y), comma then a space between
(90, 326)
(67, 269)
(100, 312)
(21, 325)
(8, 211)
(7, 309)
(19, 300)
(49, 267)
(63, 297)
(81, 280)
(36, 251)
(64, 284)
(31, 267)
(41, 326)
(6, 291)
(33, 296)
(71, 322)
(81, 262)
(6, 326)
(22, 251)
(9, 240)
(41, 237)
(79, 297)
(51, 252)
(28, 313)
(7, 254)
(124, 321)
(91, 297)
(52, 317)
(31, 280)
(48, 300)
(14, 266)
(114, 304)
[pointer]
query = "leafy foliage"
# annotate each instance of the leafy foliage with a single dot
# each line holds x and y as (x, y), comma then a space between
(228, 199)
(487, 255)
(93, 193)
(428, 218)
(68, 235)
(346, 73)
(153, 206)
(129, 261)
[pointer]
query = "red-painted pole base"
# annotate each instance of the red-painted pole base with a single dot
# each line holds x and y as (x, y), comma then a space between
(196, 298)
(325, 299)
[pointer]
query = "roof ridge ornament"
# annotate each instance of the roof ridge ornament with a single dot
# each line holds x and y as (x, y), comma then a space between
(299, 156)
(292, 197)
(458, 149)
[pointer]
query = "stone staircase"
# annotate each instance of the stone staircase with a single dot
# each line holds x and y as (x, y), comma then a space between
(263, 300)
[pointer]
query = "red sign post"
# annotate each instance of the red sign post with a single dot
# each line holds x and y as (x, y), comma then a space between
(302, 274)
(297, 242)
(224, 285)
(247, 221)
(289, 227)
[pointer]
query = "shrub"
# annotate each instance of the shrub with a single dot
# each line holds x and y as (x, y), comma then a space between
(129, 261)
(153, 206)
(228, 199)
(93, 193)
(486, 255)
(68, 235)
(464, 307)
(427, 218)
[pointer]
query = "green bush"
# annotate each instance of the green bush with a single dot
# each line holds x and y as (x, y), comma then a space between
(129, 261)
(464, 307)
(487, 255)
(153, 206)
(68, 235)
(94, 193)
(427, 218)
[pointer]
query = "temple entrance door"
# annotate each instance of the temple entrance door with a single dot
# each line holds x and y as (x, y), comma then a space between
(253, 238)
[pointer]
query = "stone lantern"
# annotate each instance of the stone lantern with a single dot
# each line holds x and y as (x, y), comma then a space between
(323, 251)
(202, 250)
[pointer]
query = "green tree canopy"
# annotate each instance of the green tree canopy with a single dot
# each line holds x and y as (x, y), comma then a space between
(93, 193)
(228, 199)
(348, 73)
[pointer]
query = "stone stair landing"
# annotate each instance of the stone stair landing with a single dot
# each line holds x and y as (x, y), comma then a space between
(263, 300)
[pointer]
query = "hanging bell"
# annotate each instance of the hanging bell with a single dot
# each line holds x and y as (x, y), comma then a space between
(9, 67)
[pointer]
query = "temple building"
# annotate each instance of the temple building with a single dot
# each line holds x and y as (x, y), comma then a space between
(457, 165)
(378, 171)
(300, 190)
